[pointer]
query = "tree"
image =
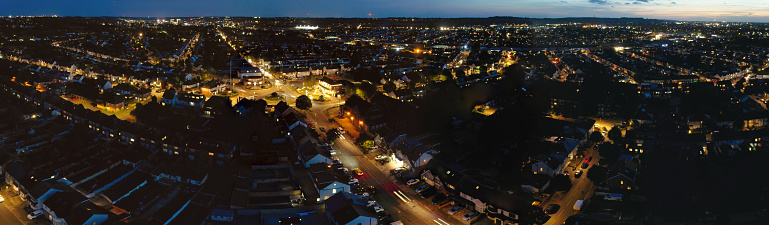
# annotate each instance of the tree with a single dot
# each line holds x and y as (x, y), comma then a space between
(610, 152)
(366, 90)
(560, 183)
(303, 102)
(615, 134)
(596, 136)
(389, 87)
(597, 174)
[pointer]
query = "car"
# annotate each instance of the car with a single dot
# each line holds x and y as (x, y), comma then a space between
(365, 194)
(469, 215)
(454, 210)
(322, 129)
(412, 182)
(2, 199)
(577, 173)
(357, 172)
(585, 165)
(371, 203)
(430, 191)
(438, 199)
(332, 151)
(345, 170)
(370, 189)
(421, 188)
(35, 214)
(588, 159)
(380, 157)
(331, 120)
(552, 208)
(378, 208)
(353, 181)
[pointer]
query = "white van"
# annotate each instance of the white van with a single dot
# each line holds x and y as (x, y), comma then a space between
(579, 204)
(612, 197)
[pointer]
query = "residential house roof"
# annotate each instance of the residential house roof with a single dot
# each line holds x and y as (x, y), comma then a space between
(179, 170)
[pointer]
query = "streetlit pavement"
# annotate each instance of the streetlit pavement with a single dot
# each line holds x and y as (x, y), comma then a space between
(12, 210)
(582, 188)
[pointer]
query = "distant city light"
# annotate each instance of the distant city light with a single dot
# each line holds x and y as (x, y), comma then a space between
(306, 27)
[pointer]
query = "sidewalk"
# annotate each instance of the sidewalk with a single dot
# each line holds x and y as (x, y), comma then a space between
(16, 205)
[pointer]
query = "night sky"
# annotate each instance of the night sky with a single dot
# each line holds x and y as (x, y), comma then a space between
(703, 10)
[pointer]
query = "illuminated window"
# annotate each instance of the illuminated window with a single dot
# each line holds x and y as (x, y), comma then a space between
(210, 153)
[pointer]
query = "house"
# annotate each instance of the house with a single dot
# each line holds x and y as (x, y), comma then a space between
(535, 183)
(246, 106)
(104, 84)
(182, 100)
(177, 173)
(251, 76)
(281, 109)
(623, 174)
(222, 215)
(412, 152)
(125, 89)
(20, 177)
(291, 121)
(70, 207)
(212, 87)
(348, 209)
(329, 87)
(44, 190)
(143, 94)
(328, 181)
(217, 106)
(404, 95)
(115, 102)
(189, 100)
(549, 165)
(311, 153)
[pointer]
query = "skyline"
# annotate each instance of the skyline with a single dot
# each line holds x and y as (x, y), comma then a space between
(684, 10)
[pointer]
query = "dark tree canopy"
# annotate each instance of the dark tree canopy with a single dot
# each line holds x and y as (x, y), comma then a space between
(303, 102)
(389, 87)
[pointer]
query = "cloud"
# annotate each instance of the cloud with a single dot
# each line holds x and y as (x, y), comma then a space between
(600, 2)
(673, 3)
(643, 0)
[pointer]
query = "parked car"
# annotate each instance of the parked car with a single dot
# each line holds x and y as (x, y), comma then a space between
(588, 159)
(438, 199)
(380, 157)
(585, 165)
(579, 205)
(430, 191)
(421, 188)
(35, 214)
(577, 173)
(412, 182)
(353, 181)
(613, 197)
(469, 215)
(378, 209)
(2, 199)
(454, 210)
(552, 208)
(370, 189)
